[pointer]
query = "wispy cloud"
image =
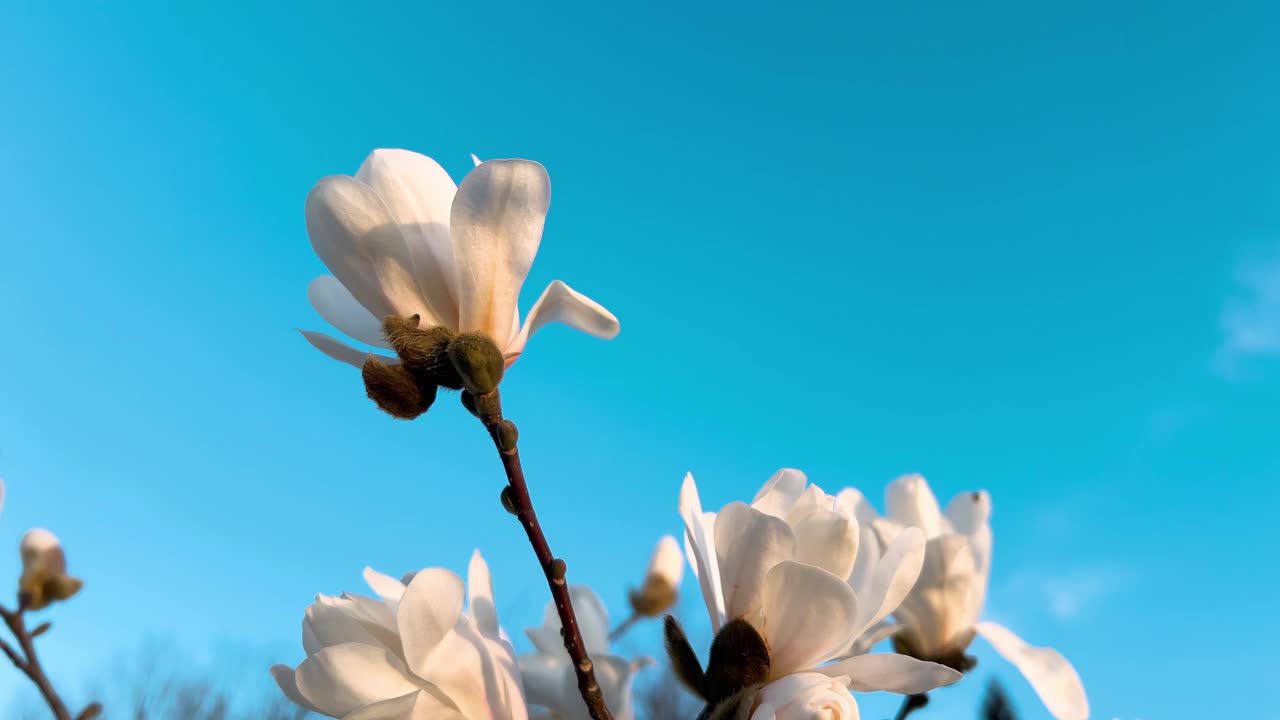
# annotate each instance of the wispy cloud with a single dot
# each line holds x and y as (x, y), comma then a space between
(1250, 319)
(1072, 593)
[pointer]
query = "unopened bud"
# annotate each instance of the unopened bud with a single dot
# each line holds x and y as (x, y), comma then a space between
(44, 571)
(484, 406)
(478, 361)
(558, 569)
(395, 390)
(509, 501)
(666, 568)
(506, 435)
(92, 711)
(41, 629)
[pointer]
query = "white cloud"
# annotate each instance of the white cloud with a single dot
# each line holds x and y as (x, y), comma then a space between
(1069, 595)
(1250, 319)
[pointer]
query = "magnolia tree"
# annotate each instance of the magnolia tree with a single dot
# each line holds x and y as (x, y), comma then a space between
(799, 585)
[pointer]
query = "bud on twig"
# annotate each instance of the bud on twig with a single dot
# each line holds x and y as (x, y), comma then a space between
(44, 571)
(478, 361)
(424, 352)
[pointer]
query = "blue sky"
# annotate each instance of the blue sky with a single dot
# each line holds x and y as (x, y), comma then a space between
(1033, 248)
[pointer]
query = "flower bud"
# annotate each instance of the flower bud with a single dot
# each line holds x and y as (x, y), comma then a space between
(395, 390)
(478, 361)
(484, 406)
(666, 567)
(44, 571)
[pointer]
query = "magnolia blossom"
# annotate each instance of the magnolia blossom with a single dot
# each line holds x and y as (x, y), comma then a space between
(941, 613)
(401, 239)
(412, 653)
(666, 565)
(784, 564)
(661, 582)
(549, 677)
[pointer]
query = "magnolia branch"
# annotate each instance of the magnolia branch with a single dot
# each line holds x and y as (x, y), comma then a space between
(516, 498)
(29, 664)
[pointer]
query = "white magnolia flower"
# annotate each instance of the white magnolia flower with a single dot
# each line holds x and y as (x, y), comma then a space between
(549, 677)
(401, 239)
(410, 654)
(783, 563)
(941, 613)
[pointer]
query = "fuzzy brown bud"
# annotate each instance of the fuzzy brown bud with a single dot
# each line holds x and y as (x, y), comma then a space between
(92, 711)
(395, 390)
(739, 659)
(684, 661)
(653, 597)
(485, 407)
(424, 351)
(478, 361)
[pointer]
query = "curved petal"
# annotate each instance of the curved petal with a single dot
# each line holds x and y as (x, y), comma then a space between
(938, 613)
(543, 677)
(1050, 674)
(853, 502)
(428, 611)
(809, 616)
(421, 705)
(748, 544)
(480, 594)
(340, 309)
(808, 696)
(341, 351)
(356, 237)
(825, 538)
(387, 587)
(419, 195)
(892, 672)
(780, 492)
(477, 674)
(764, 712)
(909, 500)
(343, 678)
(561, 303)
(495, 226)
(894, 576)
(284, 677)
(699, 528)
(969, 511)
(334, 621)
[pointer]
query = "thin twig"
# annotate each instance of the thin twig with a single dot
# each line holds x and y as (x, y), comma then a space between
(910, 704)
(552, 568)
(30, 664)
(623, 627)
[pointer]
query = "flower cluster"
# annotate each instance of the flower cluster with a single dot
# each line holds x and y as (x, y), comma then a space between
(799, 585)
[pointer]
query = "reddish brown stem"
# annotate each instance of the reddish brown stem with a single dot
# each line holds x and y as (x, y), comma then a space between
(28, 663)
(553, 569)
(910, 704)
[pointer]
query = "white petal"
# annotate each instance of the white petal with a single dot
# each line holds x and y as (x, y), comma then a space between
(429, 609)
(480, 591)
(825, 538)
(764, 712)
(354, 234)
(700, 547)
(780, 492)
(667, 562)
(284, 677)
(909, 500)
(969, 511)
(343, 678)
(892, 672)
(475, 160)
(1050, 674)
(333, 621)
(419, 196)
(496, 226)
(853, 502)
(340, 309)
(894, 576)
(748, 544)
(479, 675)
(387, 587)
(809, 696)
(809, 616)
(343, 352)
(561, 303)
(543, 677)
